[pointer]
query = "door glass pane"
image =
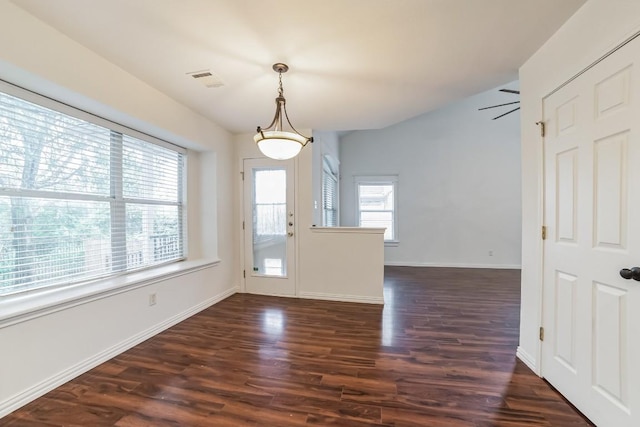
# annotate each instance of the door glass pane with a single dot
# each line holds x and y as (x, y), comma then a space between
(270, 222)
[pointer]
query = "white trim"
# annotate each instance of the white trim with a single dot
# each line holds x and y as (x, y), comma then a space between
(378, 180)
(57, 380)
(291, 279)
(348, 230)
(542, 192)
(18, 308)
(452, 265)
(634, 35)
(241, 213)
(528, 360)
(342, 297)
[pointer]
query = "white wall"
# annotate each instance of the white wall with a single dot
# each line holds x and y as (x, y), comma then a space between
(40, 352)
(45, 350)
(342, 264)
(346, 266)
(334, 264)
(592, 31)
(458, 183)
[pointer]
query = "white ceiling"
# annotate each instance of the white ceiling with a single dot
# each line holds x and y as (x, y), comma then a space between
(354, 64)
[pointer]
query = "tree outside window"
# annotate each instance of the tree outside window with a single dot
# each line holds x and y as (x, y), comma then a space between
(79, 200)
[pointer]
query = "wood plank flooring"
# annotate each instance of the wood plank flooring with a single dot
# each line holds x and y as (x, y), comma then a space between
(441, 353)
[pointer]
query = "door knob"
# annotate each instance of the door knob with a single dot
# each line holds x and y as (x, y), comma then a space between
(631, 273)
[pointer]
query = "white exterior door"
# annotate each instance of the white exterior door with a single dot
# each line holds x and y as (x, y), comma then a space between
(269, 224)
(591, 315)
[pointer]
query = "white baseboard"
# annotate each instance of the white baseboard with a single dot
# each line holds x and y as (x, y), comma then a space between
(342, 297)
(527, 360)
(452, 265)
(32, 393)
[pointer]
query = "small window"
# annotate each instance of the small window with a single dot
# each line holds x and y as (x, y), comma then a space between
(329, 194)
(377, 204)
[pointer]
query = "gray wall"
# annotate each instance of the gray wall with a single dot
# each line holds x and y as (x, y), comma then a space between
(458, 173)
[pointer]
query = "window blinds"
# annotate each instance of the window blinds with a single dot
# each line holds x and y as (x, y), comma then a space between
(80, 200)
(329, 198)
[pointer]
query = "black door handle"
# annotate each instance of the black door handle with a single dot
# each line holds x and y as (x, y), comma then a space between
(631, 273)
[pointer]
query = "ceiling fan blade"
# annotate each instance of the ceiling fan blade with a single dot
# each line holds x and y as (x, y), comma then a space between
(499, 105)
(508, 112)
(510, 91)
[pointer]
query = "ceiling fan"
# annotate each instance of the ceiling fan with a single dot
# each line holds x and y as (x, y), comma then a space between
(517, 92)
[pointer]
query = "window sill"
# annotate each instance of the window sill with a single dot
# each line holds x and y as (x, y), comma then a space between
(392, 243)
(29, 305)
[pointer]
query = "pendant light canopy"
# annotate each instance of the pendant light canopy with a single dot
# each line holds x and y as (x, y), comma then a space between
(274, 141)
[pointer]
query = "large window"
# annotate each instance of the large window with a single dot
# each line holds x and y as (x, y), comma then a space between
(82, 198)
(377, 204)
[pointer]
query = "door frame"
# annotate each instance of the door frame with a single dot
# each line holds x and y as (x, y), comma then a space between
(586, 391)
(241, 233)
(543, 192)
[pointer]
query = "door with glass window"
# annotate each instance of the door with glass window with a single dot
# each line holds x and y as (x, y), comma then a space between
(269, 225)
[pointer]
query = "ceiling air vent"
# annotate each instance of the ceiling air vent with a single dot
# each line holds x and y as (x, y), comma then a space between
(207, 78)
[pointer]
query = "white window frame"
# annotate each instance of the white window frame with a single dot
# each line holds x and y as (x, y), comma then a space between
(379, 180)
(117, 131)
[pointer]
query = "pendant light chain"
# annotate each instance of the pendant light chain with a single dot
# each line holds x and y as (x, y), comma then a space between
(280, 90)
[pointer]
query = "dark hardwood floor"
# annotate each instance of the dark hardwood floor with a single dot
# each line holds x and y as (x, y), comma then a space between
(440, 353)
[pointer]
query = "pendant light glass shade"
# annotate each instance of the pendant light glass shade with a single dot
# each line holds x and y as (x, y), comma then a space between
(273, 141)
(280, 145)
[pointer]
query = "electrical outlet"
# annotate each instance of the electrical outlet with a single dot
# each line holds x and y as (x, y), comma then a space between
(152, 299)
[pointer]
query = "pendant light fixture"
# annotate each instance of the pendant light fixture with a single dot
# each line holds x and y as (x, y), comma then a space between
(275, 141)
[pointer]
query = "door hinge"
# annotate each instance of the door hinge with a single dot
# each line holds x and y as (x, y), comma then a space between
(541, 335)
(544, 232)
(542, 128)
(243, 225)
(244, 273)
(242, 175)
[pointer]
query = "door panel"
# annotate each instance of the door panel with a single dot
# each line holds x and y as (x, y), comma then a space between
(567, 194)
(591, 314)
(610, 156)
(269, 238)
(610, 343)
(565, 320)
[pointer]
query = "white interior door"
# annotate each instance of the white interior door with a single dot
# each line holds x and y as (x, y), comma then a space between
(269, 224)
(591, 315)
